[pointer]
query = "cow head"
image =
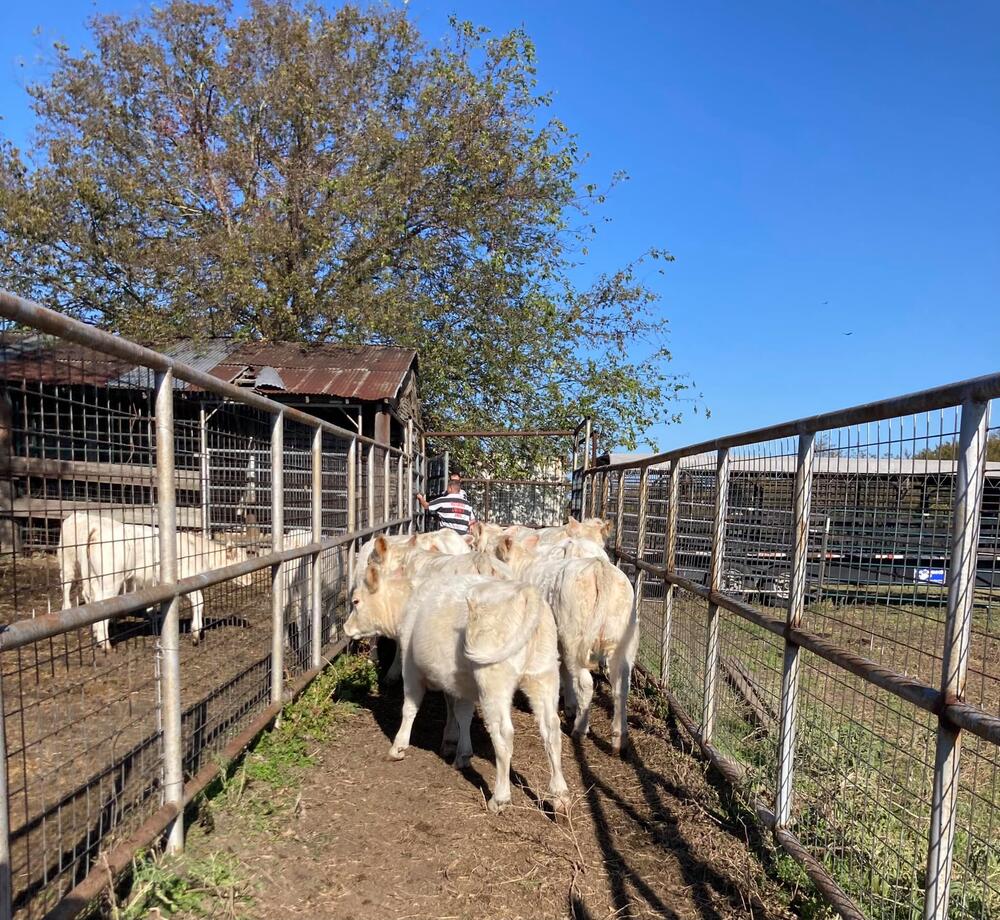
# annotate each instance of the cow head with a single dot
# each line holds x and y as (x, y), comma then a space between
(376, 604)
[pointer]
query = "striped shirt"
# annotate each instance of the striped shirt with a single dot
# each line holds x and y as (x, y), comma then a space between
(453, 511)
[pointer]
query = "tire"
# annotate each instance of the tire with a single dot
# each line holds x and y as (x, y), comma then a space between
(735, 580)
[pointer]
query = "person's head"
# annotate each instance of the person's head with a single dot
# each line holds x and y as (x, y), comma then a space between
(455, 479)
(454, 487)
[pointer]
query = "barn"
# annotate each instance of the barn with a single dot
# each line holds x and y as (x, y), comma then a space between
(76, 429)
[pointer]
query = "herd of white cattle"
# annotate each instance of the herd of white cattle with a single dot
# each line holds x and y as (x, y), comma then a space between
(477, 617)
(501, 610)
(101, 557)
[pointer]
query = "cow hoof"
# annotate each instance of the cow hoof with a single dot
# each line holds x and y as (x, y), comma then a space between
(463, 761)
(619, 747)
(581, 732)
(397, 753)
(560, 808)
(496, 806)
(448, 748)
(196, 640)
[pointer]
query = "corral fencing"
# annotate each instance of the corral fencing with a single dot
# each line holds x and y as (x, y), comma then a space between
(821, 608)
(131, 484)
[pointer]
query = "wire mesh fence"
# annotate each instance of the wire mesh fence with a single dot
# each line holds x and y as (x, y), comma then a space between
(821, 603)
(173, 555)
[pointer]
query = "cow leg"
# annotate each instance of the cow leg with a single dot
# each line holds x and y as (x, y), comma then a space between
(395, 671)
(496, 715)
(569, 694)
(543, 694)
(584, 687)
(450, 740)
(621, 679)
(197, 616)
(463, 718)
(413, 695)
(67, 574)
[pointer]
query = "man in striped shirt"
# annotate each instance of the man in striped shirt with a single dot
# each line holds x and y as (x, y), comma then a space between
(451, 509)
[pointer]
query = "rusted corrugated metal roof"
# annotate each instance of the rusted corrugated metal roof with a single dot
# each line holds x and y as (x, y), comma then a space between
(37, 358)
(365, 372)
(362, 372)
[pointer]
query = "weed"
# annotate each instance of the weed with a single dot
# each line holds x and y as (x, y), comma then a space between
(183, 886)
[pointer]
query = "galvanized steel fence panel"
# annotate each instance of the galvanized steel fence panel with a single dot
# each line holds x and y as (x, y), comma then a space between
(805, 588)
(129, 485)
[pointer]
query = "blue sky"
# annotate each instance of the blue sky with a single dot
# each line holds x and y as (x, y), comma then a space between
(816, 168)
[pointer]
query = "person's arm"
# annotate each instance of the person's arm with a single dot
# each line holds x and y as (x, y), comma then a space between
(423, 502)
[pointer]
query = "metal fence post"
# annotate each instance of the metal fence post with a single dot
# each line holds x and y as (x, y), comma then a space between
(352, 506)
(585, 467)
(714, 582)
(386, 497)
(400, 496)
(370, 488)
(170, 645)
(6, 879)
(620, 514)
(796, 603)
(605, 493)
(205, 469)
(317, 535)
(670, 563)
(969, 479)
(277, 545)
(410, 454)
(640, 537)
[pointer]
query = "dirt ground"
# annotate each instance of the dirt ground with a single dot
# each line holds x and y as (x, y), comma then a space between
(363, 837)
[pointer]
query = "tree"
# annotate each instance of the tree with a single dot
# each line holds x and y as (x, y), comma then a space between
(948, 450)
(295, 174)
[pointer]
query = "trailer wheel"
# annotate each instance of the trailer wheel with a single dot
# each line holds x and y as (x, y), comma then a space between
(781, 586)
(735, 579)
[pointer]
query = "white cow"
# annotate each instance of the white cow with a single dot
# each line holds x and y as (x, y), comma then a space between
(107, 557)
(298, 585)
(446, 541)
(596, 616)
(478, 639)
(418, 564)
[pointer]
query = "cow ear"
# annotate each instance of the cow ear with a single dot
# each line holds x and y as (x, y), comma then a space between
(606, 528)
(371, 579)
(573, 527)
(412, 541)
(531, 542)
(504, 547)
(381, 548)
(572, 520)
(434, 548)
(470, 539)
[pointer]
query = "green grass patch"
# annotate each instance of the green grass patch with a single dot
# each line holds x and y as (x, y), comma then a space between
(184, 887)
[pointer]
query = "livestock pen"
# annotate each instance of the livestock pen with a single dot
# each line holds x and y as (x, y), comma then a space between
(856, 714)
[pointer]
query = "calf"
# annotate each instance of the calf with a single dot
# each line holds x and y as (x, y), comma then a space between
(596, 615)
(107, 557)
(478, 639)
(298, 586)
(445, 541)
(418, 564)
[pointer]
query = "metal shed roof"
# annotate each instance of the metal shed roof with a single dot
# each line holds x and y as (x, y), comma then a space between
(365, 372)
(359, 372)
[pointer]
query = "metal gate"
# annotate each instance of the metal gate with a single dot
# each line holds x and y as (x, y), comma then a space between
(513, 477)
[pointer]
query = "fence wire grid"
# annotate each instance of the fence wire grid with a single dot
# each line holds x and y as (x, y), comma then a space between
(97, 453)
(865, 530)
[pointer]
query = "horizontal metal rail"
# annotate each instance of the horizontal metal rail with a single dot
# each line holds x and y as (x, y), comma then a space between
(25, 632)
(48, 321)
(930, 699)
(953, 394)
